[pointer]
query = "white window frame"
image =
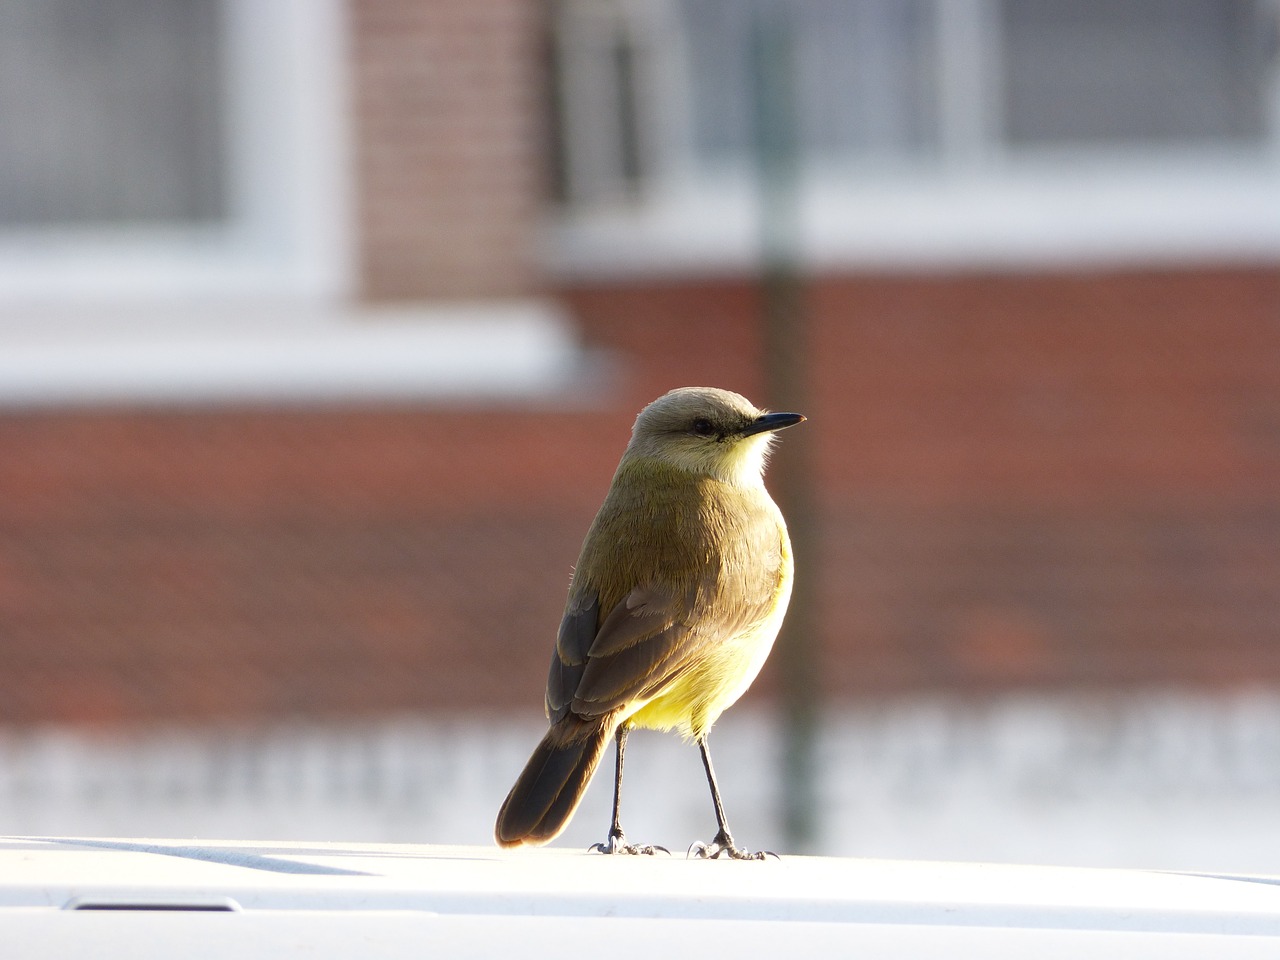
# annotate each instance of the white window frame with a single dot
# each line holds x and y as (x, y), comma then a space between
(983, 205)
(287, 234)
(262, 308)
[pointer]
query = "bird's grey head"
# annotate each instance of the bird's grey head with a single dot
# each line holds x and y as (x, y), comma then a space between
(709, 431)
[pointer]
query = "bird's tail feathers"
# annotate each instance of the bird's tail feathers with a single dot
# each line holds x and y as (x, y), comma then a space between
(552, 784)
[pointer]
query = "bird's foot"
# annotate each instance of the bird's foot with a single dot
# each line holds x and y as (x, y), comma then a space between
(723, 846)
(617, 843)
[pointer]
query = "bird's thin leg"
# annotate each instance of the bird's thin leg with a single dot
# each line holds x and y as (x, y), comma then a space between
(617, 842)
(723, 843)
(620, 742)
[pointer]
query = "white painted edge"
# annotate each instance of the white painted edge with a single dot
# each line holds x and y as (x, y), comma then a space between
(513, 350)
(1050, 215)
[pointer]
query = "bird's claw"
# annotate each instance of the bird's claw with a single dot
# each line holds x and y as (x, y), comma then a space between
(617, 843)
(723, 845)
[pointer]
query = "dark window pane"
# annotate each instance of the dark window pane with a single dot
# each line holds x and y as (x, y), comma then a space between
(1133, 70)
(110, 111)
(865, 80)
(867, 77)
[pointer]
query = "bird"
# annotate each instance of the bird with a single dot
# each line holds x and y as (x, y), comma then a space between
(678, 594)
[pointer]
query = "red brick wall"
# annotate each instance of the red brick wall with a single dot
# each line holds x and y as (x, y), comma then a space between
(1053, 479)
(1024, 480)
(447, 103)
(260, 563)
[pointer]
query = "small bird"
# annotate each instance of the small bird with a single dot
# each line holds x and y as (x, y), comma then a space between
(677, 596)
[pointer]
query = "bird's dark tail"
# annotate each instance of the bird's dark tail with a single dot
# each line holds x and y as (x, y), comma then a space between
(552, 783)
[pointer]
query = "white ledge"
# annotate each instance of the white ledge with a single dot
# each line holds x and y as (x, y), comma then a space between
(1042, 215)
(153, 896)
(182, 356)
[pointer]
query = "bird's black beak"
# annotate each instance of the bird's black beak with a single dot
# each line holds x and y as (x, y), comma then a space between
(772, 421)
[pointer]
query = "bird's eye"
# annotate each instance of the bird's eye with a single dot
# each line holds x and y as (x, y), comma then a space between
(703, 427)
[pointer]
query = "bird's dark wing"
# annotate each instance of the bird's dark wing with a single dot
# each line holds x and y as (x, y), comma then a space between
(600, 663)
(578, 630)
(642, 642)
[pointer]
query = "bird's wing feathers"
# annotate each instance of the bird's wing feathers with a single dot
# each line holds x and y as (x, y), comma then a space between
(641, 642)
(600, 663)
(578, 630)
(649, 610)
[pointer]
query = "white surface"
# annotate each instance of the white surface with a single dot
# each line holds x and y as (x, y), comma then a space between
(1049, 215)
(510, 348)
(335, 898)
(87, 872)
(352, 934)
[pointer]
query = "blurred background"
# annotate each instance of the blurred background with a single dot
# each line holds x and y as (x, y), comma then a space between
(323, 324)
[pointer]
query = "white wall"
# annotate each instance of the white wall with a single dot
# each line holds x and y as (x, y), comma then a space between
(1163, 780)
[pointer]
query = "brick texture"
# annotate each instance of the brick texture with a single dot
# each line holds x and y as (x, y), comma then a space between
(1026, 480)
(450, 176)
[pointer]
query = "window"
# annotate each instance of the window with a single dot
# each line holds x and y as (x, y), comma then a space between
(186, 148)
(863, 78)
(954, 129)
(1156, 72)
(173, 227)
(112, 113)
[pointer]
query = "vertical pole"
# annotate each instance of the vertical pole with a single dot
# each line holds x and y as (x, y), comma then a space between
(786, 386)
